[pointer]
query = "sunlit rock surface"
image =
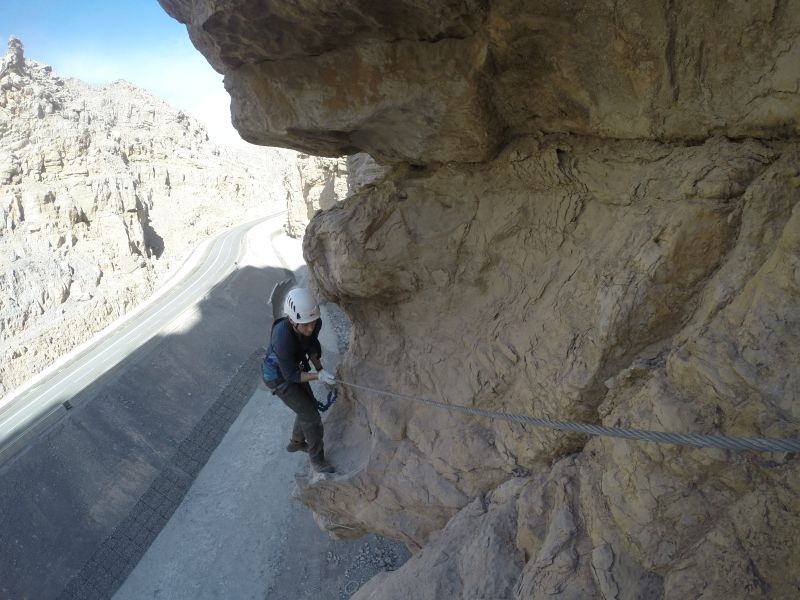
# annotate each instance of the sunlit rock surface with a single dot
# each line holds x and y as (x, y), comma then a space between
(452, 80)
(315, 183)
(591, 214)
(103, 192)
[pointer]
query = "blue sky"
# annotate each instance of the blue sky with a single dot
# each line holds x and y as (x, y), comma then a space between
(102, 41)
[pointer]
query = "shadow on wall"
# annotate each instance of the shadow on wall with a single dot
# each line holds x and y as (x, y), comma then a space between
(327, 198)
(67, 491)
(153, 241)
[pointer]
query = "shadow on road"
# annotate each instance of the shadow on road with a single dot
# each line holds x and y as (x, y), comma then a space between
(68, 491)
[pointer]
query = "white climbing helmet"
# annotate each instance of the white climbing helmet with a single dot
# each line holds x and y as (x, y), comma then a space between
(301, 306)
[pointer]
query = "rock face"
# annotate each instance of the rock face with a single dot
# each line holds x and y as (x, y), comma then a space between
(453, 80)
(102, 192)
(318, 183)
(592, 214)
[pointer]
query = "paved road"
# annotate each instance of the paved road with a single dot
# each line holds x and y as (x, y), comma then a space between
(21, 413)
(145, 425)
(238, 533)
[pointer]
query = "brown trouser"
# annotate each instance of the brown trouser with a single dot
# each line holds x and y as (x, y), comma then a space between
(307, 423)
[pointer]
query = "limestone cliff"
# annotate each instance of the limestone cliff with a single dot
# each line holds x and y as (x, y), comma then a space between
(102, 192)
(592, 214)
(318, 183)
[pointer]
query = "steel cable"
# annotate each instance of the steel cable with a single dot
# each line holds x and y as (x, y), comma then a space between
(661, 437)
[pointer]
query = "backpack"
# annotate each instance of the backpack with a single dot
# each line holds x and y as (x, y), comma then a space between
(269, 368)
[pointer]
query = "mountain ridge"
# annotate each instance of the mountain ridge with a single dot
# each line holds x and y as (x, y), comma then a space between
(103, 191)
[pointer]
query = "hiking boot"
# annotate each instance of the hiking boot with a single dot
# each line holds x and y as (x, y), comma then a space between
(294, 446)
(322, 466)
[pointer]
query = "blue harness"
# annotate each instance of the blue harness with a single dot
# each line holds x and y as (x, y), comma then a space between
(269, 372)
(323, 406)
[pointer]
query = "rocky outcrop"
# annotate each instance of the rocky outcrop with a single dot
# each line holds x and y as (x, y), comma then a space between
(454, 80)
(318, 183)
(102, 191)
(592, 215)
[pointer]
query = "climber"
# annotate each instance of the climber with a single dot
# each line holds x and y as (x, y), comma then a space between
(286, 371)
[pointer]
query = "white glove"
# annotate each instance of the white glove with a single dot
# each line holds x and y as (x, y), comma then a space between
(326, 377)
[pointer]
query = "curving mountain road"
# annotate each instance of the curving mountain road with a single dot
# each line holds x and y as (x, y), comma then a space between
(149, 398)
(32, 406)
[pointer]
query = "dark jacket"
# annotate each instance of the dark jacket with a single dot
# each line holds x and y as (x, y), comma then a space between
(293, 349)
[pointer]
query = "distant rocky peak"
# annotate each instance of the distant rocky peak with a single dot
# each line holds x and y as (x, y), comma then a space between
(14, 58)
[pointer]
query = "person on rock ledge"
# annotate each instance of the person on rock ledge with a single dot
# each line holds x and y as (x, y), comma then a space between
(286, 371)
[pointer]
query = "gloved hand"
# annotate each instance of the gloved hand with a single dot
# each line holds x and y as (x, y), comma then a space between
(326, 377)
